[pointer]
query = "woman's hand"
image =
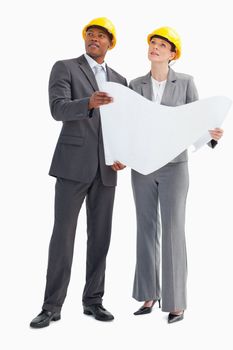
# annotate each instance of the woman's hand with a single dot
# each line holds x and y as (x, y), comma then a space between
(117, 166)
(216, 133)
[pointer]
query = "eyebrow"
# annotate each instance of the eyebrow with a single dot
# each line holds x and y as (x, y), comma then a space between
(100, 31)
(164, 41)
(161, 41)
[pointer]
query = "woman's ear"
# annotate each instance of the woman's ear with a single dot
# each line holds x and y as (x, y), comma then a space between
(172, 56)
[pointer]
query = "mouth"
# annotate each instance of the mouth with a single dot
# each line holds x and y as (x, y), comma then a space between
(94, 45)
(154, 53)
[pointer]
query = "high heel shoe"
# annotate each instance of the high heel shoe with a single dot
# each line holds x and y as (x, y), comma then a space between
(175, 317)
(146, 309)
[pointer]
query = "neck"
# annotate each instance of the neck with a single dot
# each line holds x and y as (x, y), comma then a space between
(99, 59)
(159, 71)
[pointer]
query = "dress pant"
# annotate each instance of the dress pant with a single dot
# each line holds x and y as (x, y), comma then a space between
(168, 188)
(69, 197)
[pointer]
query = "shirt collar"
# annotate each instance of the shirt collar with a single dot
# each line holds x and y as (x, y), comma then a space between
(92, 63)
(163, 82)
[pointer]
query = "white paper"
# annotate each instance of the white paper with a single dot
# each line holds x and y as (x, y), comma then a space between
(145, 136)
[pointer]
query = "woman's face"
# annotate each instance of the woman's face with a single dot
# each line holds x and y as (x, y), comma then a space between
(160, 51)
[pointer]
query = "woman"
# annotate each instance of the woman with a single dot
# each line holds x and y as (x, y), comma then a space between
(166, 187)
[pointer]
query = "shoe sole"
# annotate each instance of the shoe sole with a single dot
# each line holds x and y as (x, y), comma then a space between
(176, 320)
(55, 318)
(142, 313)
(89, 313)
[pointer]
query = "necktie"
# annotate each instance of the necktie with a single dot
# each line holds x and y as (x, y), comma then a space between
(99, 75)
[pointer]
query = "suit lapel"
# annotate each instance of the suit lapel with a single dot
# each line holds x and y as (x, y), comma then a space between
(110, 75)
(147, 87)
(84, 66)
(169, 88)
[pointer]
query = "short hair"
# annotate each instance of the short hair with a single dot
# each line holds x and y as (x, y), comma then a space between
(104, 29)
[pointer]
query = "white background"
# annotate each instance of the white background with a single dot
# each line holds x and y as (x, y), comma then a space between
(35, 34)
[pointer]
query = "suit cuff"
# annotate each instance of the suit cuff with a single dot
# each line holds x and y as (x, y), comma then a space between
(213, 143)
(90, 113)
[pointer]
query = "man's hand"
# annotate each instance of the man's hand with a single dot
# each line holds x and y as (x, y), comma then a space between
(117, 166)
(98, 99)
(216, 133)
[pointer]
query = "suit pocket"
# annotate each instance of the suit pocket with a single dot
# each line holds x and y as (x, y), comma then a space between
(71, 140)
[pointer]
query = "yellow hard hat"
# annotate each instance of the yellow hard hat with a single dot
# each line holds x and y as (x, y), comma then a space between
(171, 35)
(106, 24)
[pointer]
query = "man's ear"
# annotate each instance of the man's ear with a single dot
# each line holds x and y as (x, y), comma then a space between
(110, 44)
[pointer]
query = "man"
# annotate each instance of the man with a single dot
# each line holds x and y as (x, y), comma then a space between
(79, 166)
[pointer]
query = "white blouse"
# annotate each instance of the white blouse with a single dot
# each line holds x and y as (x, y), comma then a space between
(158, 89)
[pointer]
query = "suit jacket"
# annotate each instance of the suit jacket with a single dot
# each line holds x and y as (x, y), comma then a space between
(179, 89)
(79, 150)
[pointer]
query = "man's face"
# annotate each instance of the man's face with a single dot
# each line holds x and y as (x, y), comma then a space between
(97, 43)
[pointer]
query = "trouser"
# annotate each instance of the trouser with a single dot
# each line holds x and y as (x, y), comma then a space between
(168, 188)
(69, 196)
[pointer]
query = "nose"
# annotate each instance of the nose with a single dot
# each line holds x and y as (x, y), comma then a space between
(94, 37)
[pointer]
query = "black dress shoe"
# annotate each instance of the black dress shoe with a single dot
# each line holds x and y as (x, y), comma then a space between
(44, 318)
(146, 309)
(98, 311)
(174, 318)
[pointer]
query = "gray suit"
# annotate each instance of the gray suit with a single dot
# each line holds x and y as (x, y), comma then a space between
(79, 149)
(78, 163)
(168, 188)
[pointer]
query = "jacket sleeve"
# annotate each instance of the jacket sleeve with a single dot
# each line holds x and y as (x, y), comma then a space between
(130, 85)
(191, 94)
(62, 107)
